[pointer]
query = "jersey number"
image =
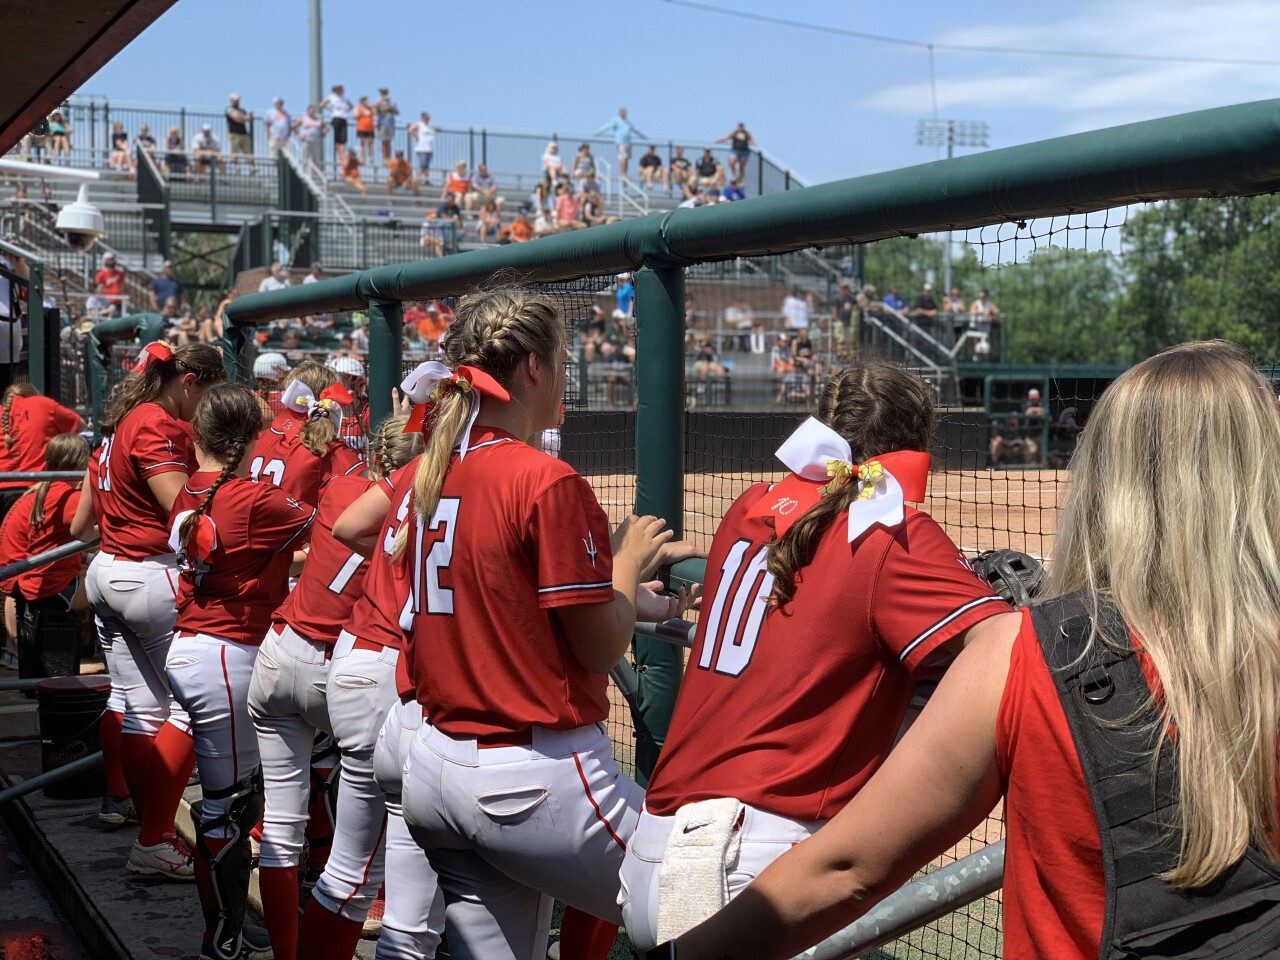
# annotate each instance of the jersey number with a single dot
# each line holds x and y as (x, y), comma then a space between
(104, 465)
(737, 610)
(272, 470)
(426, 572)
(345, 573)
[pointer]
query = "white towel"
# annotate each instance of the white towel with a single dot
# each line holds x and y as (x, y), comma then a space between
(692, 880)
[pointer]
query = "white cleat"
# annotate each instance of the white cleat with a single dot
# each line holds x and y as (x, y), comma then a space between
(169, 859)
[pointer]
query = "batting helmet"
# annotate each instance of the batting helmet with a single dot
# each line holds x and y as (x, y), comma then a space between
(349, 366)
(1015, 576)
(270, 366)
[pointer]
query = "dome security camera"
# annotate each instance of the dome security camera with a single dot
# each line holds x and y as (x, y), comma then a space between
(81, 223)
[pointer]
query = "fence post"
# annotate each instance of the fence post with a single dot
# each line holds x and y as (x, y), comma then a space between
(213, 191)
(385, 360)
(484, 145)
(659, 480)
(760, 174)
(37, 330)
(106, 124)
(471, 149)
(93, 125)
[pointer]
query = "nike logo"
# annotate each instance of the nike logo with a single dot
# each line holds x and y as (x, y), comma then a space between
(690, 827)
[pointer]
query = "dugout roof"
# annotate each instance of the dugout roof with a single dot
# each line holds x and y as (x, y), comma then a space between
(51, 47)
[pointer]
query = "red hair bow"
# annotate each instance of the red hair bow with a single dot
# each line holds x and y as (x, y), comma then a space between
(430, 382)
(339, 394)
(156, 350)
(203, 539)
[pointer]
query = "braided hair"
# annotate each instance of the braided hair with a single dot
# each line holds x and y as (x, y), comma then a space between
(66, 451)
(225, 423)
(390, 448)
(145, 385)
(493, 330)
(878, 407)
(11, 391)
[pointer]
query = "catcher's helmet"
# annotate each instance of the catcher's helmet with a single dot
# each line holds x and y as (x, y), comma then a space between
(1015, 576)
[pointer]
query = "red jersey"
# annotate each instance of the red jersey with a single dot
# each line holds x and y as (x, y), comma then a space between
(793, 710)
(517, 534)
(53, 531)
(355, 429)
(319, 607)
(383, 606)
(33, 422)
(147, 442)
(283, 461)
(233, 594)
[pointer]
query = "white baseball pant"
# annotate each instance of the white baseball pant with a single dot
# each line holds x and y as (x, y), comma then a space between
(135, 605)
(763, 837)
(210, 679)
(115, 701)
(287, 704)
(414, 916)
(361, 691)
(510, 829)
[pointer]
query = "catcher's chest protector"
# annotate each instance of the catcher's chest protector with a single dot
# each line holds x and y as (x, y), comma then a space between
(1115, 728)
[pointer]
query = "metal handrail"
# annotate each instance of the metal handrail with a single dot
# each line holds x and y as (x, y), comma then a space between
(36, 476)
(49, 556)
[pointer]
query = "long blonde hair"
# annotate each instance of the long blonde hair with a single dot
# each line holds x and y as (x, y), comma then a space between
(1172, 518)
(317, 434)
(493, 331)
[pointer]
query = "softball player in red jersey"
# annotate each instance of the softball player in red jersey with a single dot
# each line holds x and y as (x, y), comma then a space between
(28, 422)
(292, 696)
(521, 604)
(132, 582)
(355, 423)
(235, 540)
(829, 598)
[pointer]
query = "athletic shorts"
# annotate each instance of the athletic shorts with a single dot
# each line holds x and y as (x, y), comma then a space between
(364, 134)
(386, 133)
(339, 131)
(624, 151)
(424, 160)
(241, 142)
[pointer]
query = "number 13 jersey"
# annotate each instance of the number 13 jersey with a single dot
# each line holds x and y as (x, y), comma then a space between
(792, 710)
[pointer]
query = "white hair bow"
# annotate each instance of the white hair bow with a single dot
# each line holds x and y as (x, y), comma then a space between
(298, 398)
(428, 383)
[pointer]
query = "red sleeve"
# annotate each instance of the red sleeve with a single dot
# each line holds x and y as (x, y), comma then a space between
(278, 519)
(570, 534)
(160, 446)
(15, 539)
(926, 593)
(67, 421)
(344, 461)
(68, 512)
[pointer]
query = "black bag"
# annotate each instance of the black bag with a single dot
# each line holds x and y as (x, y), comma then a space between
(1115, 728)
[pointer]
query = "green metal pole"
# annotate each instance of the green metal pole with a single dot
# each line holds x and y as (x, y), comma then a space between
(659, 481)
(385, 359)
(39, 344)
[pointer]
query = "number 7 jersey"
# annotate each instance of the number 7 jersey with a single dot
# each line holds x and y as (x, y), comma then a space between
(792, 710)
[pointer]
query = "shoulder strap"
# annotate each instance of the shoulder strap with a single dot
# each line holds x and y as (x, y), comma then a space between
(1117, 730)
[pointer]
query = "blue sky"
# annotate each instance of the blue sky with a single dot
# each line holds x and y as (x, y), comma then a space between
(829, 106)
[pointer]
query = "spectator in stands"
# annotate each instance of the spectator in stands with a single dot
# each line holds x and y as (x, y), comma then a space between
(624, 133)
(340, 111)
(120, 158)
(433, 326)
(624, 298)
(458, 183)
(490, 222)
(277, 279)
(188, 327)
(171, 312)
(279, 127)
(400, 174)
(707, 362)
(35, 147)
(214, 330)
(164, 287)
(291, 341)
(710, 171)
(314, 275)
(783, 363)
(450, 212)
(542, 198)
(414, 347)
(925, 307)
(739, 318)
(434, 234)
(486, 188)
(652, 169)
(424, 144)
(351, 171)
(982, 316)
(111, 279)
(385, 113)
(733, 191)
(552, 163)
(806, 357)
(894, 299)
(584, 168)
(310, 131)
(59, 137)
(96, 305)
(681, 170)
(175, 154)
(592, 210)
(845, 315)
(363, 115)
(544, 223)
(145, 140)
(797, 306)
(568, 210)
(207, 150)
(740, 143)
(521, 230)
(360, 332)
(240, 141)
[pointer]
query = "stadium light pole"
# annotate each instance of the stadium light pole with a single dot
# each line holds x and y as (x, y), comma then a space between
(951, 134)
(317, 79)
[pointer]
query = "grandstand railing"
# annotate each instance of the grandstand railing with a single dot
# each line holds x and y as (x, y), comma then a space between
(1230, 151)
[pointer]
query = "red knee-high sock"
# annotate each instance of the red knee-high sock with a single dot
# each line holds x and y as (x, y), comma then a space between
(168, 769)
(327, 936)
(112, 761)
(584, 937)
(135, 751)
(204, 884)
(279, 886)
